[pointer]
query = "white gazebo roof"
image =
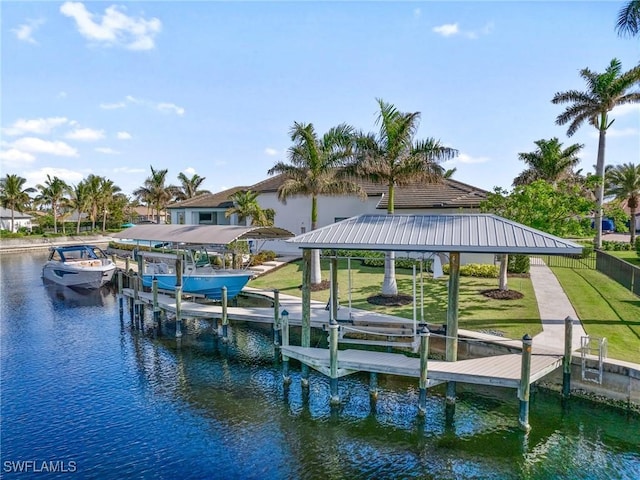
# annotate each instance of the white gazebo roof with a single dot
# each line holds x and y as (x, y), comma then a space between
(465, 233)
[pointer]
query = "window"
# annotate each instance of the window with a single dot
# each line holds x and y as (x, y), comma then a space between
(205, 218)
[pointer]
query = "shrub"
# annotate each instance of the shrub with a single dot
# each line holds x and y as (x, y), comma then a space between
(518, 264)
(475, 270)
(616, 246)
(263, 256)
(638, 246)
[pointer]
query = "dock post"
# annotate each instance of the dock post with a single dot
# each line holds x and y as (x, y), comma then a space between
(178, 311)
(286, 378)
(305, 338)
(120, 296)
(136, 304)
(225, 319)
(451, 353)
(156, 308)
(424, 355)
(126, 264)
(373, 385)
(525, 375)
(276, 318)
(333, 361)
(566, 360)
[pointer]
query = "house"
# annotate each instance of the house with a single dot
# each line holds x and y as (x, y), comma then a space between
(206, 209)
(145, 214)
(21, 220)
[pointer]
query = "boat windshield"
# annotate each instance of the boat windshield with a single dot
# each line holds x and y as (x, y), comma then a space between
(83, 252)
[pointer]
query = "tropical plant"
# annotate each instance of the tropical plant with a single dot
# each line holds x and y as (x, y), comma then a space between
(245, 206)
(393, 157)
(14, 196)
(106, 192)
(628, 23)
(53, 192)
(93, 183)
(314, 170)
(190, 187)
(549, 162)
(623, 182)
(79, 201)
(155, 193)
(604, 92)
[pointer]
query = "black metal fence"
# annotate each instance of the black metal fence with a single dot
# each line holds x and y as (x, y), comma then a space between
(624, 273)
(575, 262)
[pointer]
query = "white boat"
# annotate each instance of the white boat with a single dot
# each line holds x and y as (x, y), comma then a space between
(80, 266)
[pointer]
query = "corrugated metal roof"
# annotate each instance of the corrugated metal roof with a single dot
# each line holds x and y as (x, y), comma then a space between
(201, 234)
(465, 233)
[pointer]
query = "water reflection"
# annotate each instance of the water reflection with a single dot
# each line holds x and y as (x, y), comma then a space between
(75, 297)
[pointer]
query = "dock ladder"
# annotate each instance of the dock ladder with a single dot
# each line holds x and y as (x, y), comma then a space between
(592, 347)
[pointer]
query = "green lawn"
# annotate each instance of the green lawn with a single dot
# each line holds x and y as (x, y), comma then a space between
(512, 318)
(605, 308)
(628, 255)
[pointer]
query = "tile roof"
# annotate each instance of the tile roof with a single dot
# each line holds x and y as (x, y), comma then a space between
(210, 200)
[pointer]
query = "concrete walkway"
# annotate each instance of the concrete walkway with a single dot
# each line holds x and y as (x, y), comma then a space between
(554, 307)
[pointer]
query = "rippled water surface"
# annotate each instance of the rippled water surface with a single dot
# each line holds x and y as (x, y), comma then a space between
(80, 388)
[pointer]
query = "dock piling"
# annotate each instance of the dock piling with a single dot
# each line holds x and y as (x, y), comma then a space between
(276, 318)
(178, 311)
(225, 318)
(156, 308)
(424, 354)
(120, 296)
(286, 378)
(566, 360)
(524, 390)
(333, 361)
(373, 385)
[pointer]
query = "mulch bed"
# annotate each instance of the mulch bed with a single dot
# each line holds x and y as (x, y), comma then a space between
(390, 300)
(503, 294)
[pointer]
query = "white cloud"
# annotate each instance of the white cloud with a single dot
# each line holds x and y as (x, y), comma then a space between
(417, 13)
(85, 134)
(40, 126)
(272, 152)
(626, 109)
(15, 157)
(107, 151)
(25, 31)
(189, 171)
(447, 29)
(129, 170)
(114, 27)
(37, 145)
(468, 159)
(112, 106)
(123, 136)
(170, 107)
(451, 29)
(39, 176)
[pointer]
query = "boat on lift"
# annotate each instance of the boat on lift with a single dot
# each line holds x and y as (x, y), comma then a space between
(79, 266)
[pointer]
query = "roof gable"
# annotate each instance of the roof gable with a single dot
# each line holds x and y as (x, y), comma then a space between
(210, 200)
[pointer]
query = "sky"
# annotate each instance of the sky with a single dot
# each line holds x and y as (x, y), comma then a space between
(213, 88)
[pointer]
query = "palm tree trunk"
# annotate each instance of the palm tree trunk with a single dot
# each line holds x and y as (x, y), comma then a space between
(316, 273)
(13, 222)
(504, 263)
(632, 226)
(389, 285)
(104, 221)
(55, 217)
(600, 189)
(78, 225)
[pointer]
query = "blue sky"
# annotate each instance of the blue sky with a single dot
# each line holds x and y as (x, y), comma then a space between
(213, 88)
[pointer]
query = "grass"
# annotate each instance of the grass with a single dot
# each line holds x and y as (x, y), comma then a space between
(627, 255)
(606, 309)
(511, 318)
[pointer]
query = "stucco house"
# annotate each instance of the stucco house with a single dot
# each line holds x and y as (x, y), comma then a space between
(20, 220)
(449, 196)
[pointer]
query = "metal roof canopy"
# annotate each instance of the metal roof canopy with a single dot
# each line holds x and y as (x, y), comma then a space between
(464, 233)
(201, 234)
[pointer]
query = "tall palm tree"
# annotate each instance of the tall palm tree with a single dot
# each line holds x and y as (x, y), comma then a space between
(53, 192)
(155, 193)
(313, 170)
(106, 192)
(628, 23)
(604, 92)
(190, 187)
(393, 157)
(550, 162)
(245, 205)
(93, 183)
(623, 182)
(14, 196)
(80, 201)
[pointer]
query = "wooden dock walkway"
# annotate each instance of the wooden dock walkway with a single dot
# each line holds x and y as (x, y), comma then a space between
(499, 370)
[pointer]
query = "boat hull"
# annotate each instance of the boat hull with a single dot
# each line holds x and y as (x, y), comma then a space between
(75, 276)
(208, 285)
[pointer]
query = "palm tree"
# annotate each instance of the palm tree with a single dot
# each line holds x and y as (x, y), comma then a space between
(190, 187)
(93, 183)
(245, 205)
(80, 201)
(53, 193)
(314, 170)
(550, 162)
(155, 193)
(393, 157)
(14, 196)
(628, 23)
(604, 92)
(623, 182)
(106, 192)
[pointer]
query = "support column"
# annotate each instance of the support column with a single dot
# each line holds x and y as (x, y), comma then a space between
(306, 311)
(120, 296)
(286, 378)
(424, 355)
(451, 354)
(373, 385)
(178, 311)
(276, 318)
(156, 308)
(525, 375)
(333, 361)
(334, 288)
(566, 360)
(225, 318)
(136, 303)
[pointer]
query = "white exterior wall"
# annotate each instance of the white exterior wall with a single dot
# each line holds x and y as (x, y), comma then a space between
(5, 223)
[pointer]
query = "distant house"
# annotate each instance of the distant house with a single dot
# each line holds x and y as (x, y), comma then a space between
(624, 205)
(21, 220)
(144, 214)
(449, 196)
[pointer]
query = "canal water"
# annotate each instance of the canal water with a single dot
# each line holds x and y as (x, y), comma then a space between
(84, 395)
